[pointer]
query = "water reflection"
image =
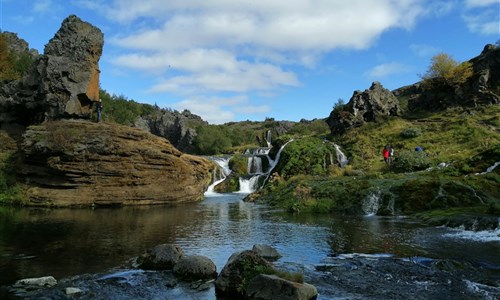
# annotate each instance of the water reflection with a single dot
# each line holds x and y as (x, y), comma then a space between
(64, 242)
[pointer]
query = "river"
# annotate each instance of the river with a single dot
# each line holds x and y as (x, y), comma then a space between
(345, 257)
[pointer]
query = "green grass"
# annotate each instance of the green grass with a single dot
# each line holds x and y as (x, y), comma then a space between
(454, 136)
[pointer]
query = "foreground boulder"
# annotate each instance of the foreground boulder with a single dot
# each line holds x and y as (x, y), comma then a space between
(195, 267)
(248, 275)
(80, 163)
(240, 268)
(161, 257)
(269, 287)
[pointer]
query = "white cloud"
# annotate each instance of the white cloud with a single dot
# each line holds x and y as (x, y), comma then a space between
(486, 22)
(424, 50)
(42, 6)
(200, 48)
(220, 110)
(480, 3)
(386, 69)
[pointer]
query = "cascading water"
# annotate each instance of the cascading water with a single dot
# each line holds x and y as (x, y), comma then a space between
(254, 165)
(218, 174)
(371, 203)
(249, 185)
(268, 138)
(341, 158)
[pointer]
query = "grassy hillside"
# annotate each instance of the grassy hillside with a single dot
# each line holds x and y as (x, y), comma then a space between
(469, 139)
(466, 140)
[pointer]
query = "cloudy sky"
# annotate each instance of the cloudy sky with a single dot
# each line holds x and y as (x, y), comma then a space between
(233, 60)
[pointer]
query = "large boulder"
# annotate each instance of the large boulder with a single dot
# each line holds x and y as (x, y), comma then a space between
(366, 106)
(270, 287)
(161, 257)
(195, 267)
(63, 82)
(81, 163)
(240, 268)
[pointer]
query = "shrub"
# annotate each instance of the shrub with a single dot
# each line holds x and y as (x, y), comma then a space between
(411, 132)
(445, 68)
(409, 161)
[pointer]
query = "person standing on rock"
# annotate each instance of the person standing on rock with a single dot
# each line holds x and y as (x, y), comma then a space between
(98, 109)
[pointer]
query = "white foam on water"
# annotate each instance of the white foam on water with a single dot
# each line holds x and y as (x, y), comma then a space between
(478, 236)
(364, 255)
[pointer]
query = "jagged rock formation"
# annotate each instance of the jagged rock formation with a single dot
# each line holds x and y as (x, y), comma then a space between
(481, 89)
(178, 128)
(80, 163)
(62, 82)
(367, 106)
(18, 45)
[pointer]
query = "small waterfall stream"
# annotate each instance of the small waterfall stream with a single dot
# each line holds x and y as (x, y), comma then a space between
(218, 174)
(371, 203)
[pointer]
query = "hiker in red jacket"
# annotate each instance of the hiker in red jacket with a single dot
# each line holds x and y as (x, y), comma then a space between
(387, 154)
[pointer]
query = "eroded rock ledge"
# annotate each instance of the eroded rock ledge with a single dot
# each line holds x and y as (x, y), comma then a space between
(80, 163)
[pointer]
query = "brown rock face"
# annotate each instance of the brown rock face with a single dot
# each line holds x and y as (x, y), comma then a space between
(79, 163)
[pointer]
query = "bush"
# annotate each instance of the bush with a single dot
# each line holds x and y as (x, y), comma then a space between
(411, 132)
(410, 161)
(444, 67)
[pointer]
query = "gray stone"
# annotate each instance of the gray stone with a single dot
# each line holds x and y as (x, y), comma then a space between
(72, 291)
(269, 287)
(161, 257)
(367, 106)
(46, 281)
(266, 251)
(195, 267)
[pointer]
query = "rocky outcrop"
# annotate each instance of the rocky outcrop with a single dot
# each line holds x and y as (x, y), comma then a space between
(18, 45)
(77, 162)
(367, 106)
(482, 88)
(62, 82)
(178, 128)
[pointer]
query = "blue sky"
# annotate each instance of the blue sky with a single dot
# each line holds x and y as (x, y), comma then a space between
(232, 60)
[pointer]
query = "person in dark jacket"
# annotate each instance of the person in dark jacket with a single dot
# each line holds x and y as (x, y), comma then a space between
(98, 110)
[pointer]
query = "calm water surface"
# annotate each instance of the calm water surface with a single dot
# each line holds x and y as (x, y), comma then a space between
(65, 242)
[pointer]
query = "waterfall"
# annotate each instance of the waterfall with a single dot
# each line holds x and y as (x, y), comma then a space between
(341, 158)
(249, 185)
(371, 203)
(273, 163)
(490, 169)
(218, 174)
(268, 138)
(254, 165)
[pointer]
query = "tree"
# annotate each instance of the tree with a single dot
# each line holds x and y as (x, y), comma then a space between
(444, 67)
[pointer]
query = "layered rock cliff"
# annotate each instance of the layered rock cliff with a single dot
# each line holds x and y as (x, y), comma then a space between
(66, 160)
(80, 163)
